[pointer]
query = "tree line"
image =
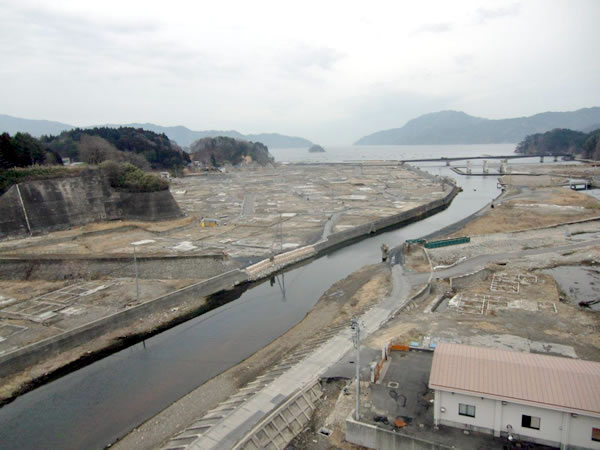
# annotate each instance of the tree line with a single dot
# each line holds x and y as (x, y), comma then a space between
(141, 148)
(562, 140)
(217, 151)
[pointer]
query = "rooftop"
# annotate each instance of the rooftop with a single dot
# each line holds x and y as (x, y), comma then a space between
(540, 380)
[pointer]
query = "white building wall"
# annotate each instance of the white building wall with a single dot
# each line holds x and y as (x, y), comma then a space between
(484, 411)
(580, 432)
(492, 415)
(550, 423)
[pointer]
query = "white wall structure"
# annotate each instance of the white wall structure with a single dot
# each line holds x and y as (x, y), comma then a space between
(537, 398)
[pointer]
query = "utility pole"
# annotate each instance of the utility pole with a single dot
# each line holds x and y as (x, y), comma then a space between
(137, 286)
(355, 325)
(281, 232)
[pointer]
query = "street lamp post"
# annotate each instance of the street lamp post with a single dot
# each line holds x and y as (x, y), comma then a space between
(355, 325)
(137, 285)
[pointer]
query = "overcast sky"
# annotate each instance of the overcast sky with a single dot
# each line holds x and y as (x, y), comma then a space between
(330, 71)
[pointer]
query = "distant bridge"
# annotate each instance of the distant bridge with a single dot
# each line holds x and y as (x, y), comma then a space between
(396, 162)
(511, 156)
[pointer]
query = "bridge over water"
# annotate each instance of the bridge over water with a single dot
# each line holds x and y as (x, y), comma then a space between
(512, 156)
(448, 160)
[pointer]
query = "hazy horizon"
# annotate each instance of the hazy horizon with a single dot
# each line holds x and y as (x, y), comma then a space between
(329, 72)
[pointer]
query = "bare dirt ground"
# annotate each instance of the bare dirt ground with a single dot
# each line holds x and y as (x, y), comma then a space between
(343, 299)
(527, 208)
(330, 414)
(523, 326)
(416, 260)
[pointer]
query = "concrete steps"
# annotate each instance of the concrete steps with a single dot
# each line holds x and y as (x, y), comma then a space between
(293, 418)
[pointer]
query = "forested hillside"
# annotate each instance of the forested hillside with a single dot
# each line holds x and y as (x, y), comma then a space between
(22, 150)
(139, 147)
(561, 140)
(217, 151)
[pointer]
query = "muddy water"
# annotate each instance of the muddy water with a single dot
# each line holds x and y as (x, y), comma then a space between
(579, 283)
(94, 406)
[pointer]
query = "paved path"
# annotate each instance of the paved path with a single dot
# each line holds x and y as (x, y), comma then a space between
(327, 229)
(479, 262)
(248, 205)
(231, 428)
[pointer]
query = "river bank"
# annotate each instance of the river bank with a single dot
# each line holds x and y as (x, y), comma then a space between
(48, 359)
(344, 299)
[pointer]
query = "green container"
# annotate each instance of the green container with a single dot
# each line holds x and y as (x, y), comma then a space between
(415, 241)
(447, 242)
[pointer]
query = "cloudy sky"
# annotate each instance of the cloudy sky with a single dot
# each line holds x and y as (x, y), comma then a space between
(330, 71)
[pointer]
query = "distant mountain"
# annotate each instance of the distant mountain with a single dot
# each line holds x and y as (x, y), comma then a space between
(455, 127)
(13, 125)
(591, 128)
(275, 140)
(185, 137)
(182, 135)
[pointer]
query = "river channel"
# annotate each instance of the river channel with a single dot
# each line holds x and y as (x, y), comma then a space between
(97, 404)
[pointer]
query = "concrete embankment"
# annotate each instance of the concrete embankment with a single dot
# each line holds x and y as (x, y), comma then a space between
(267, 267)
(32, 354)
(41, 206)
(20, 359)
(52, 268)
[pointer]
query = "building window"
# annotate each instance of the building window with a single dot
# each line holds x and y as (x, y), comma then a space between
(596, 434)
(466, 410)
(530, 422)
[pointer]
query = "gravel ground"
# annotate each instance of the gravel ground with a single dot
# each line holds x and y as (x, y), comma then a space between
(513, 242)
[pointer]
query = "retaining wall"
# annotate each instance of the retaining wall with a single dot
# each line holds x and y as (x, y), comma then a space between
(12, 219)
(32, 354)
(266, 267)
(371, 436)
(57, 204)
(278, 428)
(378, 225)
(66, 268)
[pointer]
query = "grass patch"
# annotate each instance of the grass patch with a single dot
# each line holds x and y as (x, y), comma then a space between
(127, 177)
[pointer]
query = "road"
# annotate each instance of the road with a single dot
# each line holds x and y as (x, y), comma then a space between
(479, 262)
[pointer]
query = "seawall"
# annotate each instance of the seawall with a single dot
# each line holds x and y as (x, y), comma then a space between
(42, 206)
